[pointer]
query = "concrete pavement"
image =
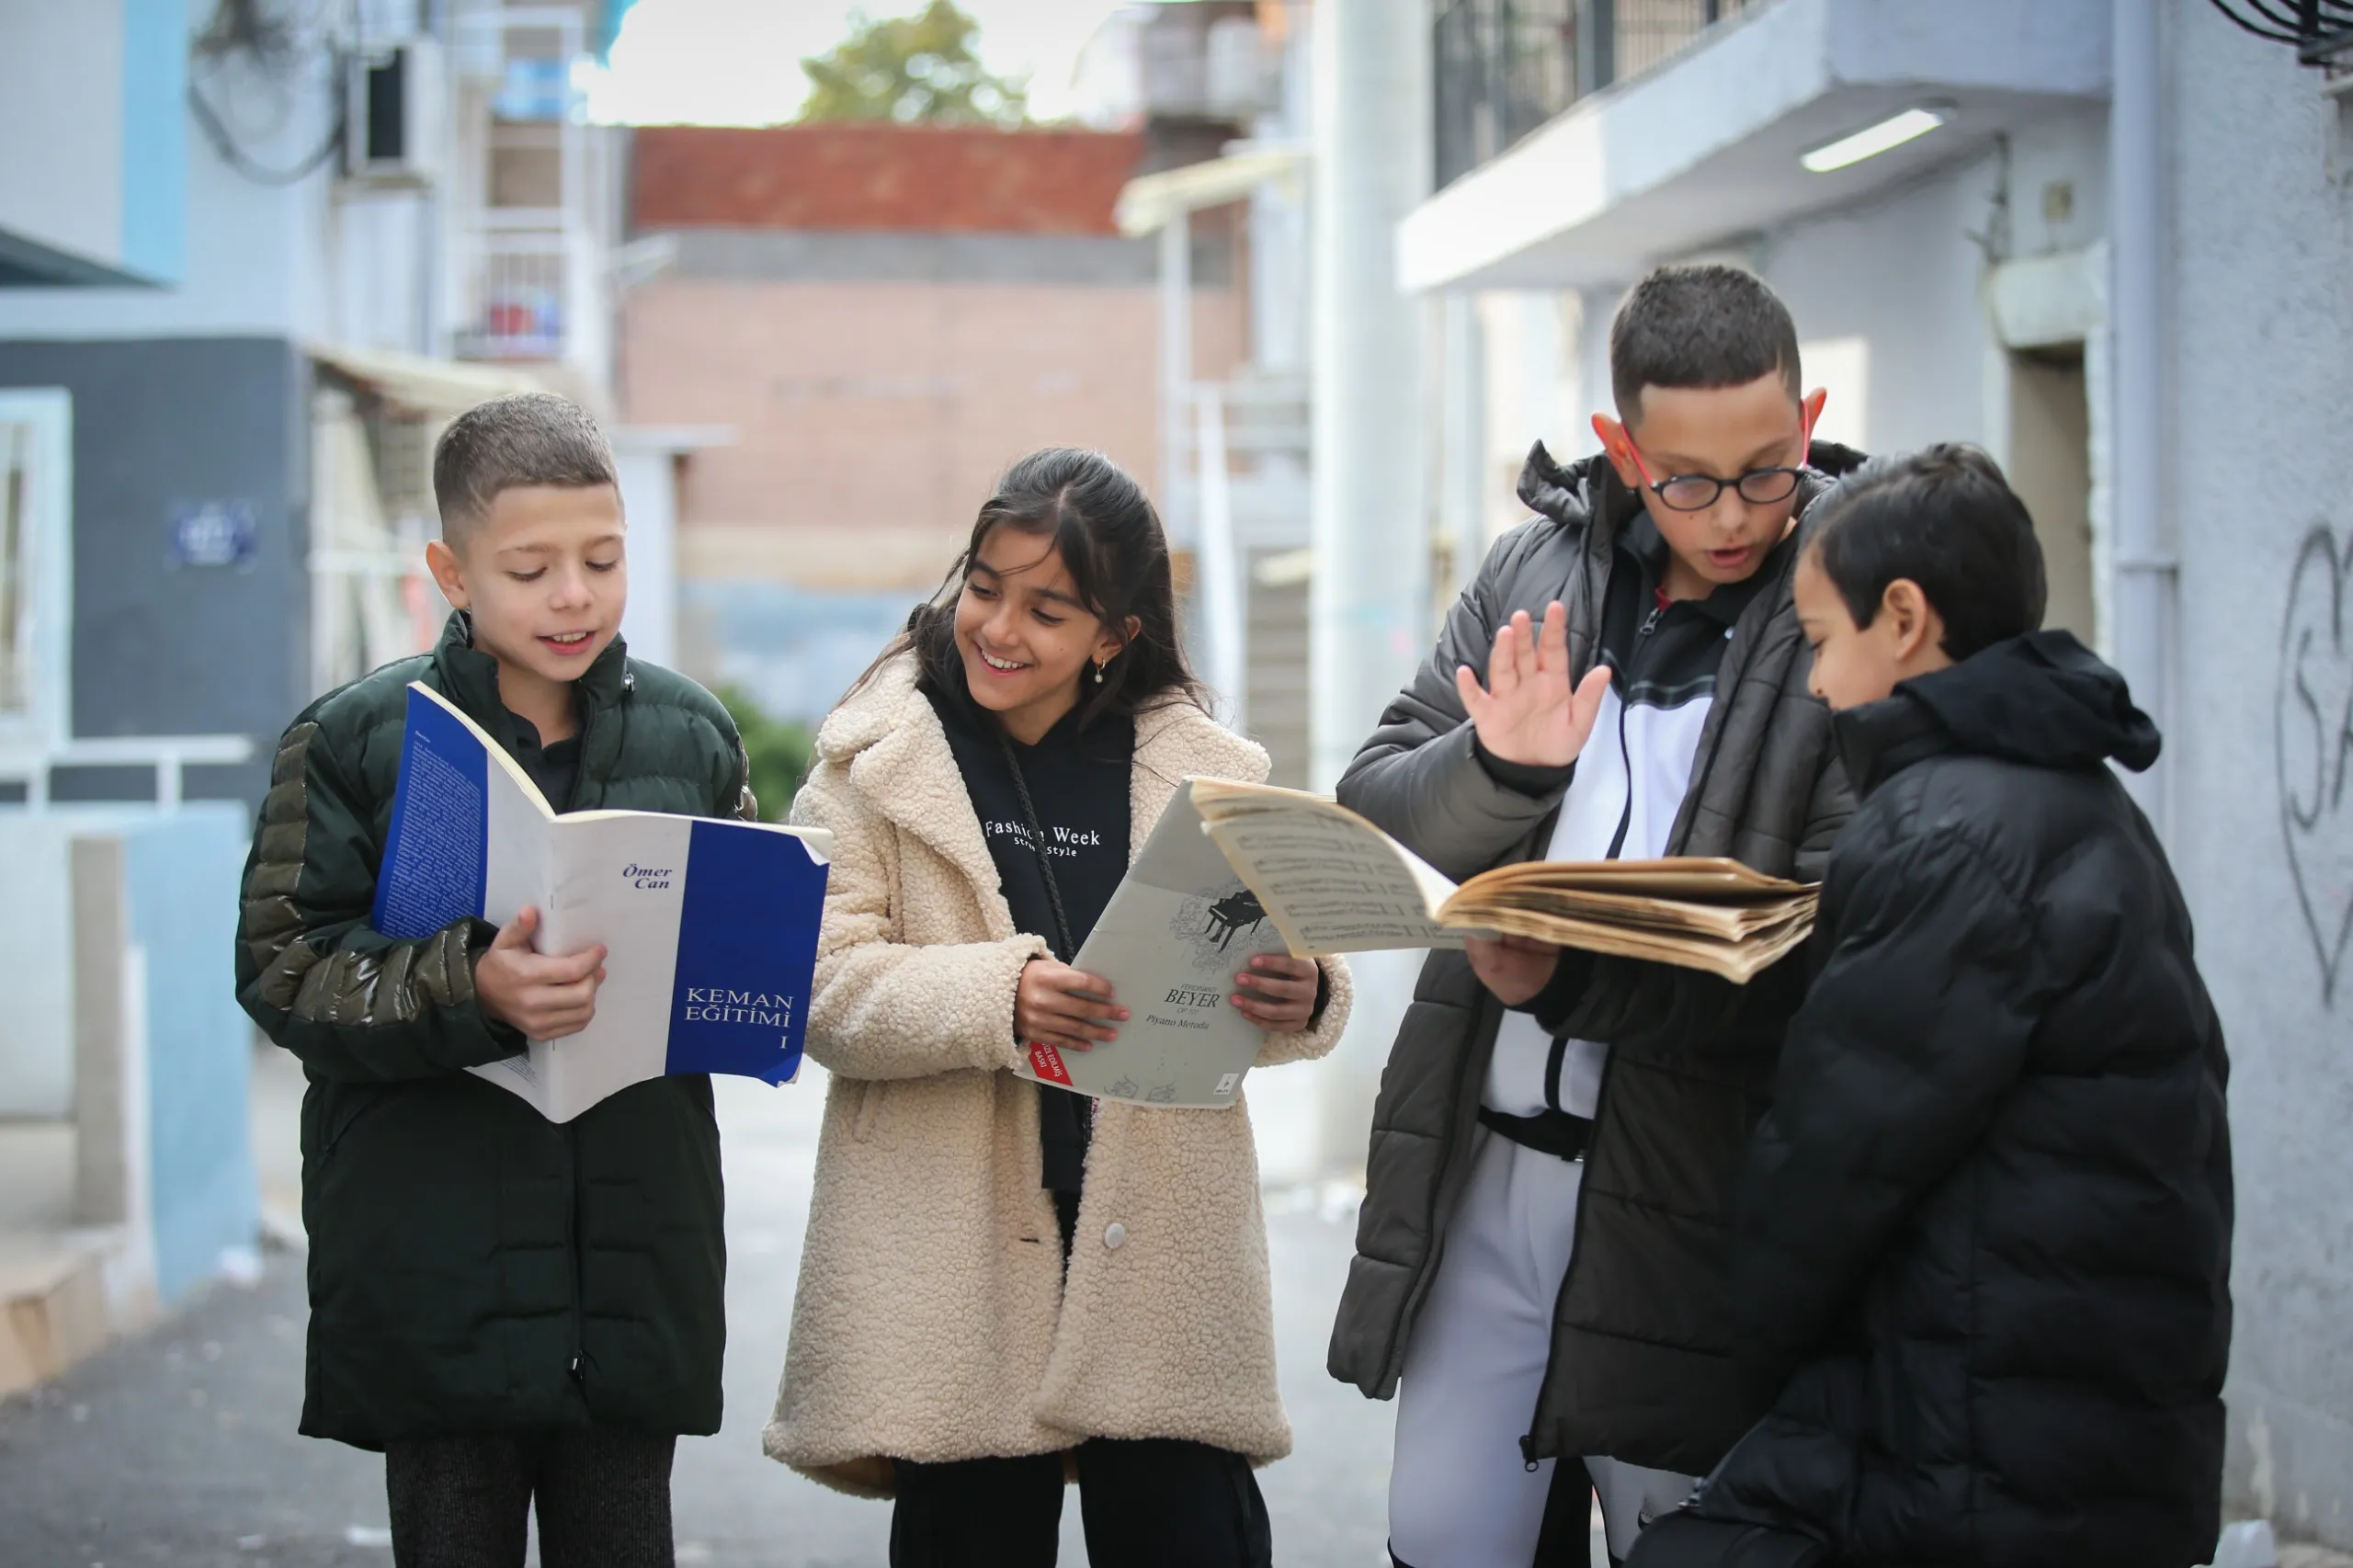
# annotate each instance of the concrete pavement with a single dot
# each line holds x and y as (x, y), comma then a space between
(179, 1447)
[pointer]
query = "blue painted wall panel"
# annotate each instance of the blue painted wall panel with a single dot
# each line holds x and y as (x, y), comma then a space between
(182, 873)
(155, 139)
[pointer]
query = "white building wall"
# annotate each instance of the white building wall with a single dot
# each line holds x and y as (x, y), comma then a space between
(303, 261)
(60, 88)
(1888, 298)
(1891, 293)
(2260, 377)
(257, 257)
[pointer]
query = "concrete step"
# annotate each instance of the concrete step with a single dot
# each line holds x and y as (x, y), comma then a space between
(54, 1301)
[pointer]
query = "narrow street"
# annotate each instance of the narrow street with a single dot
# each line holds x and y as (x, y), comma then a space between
(179, 1447)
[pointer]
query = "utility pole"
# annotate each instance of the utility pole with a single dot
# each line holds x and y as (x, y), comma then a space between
(1368, 612)
(2145, 573)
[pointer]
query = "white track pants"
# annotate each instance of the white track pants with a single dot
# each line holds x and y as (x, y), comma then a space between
(1461, 1495)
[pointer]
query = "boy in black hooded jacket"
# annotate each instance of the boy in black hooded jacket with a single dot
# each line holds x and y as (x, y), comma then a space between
(1983, 1251)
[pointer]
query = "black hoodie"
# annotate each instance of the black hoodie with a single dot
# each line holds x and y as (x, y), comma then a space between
(1982, 1250)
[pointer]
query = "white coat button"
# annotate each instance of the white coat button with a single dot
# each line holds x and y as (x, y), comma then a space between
(1115, 1235)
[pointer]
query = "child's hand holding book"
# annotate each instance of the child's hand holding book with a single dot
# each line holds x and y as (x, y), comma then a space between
(1513, 968)
(545, 998)
(1066, 1008)
(1276, 993)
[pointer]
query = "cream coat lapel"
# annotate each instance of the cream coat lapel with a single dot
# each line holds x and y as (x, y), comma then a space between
(898, 759)
(1174, 742)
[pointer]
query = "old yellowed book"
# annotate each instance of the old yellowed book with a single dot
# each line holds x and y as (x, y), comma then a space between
(1332, 882)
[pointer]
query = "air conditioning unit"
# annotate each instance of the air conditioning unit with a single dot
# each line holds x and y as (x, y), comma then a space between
(395, 123)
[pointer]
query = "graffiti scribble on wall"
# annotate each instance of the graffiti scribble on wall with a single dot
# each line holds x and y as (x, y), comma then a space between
(2315, 716)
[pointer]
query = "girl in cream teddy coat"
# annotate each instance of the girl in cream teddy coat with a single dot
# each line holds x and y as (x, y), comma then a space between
(943, 1350)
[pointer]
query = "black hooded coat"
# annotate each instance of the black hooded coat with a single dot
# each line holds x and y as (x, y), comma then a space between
(1982, 1252)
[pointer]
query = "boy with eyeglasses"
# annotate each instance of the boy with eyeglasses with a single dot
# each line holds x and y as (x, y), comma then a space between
(1541, 1255)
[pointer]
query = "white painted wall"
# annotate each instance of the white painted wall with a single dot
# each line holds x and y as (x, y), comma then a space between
(647, 467)
(1535, 392)
(61, 114)
(262, 260)
(37, 964)
(256, 254)
(2260, 374)
(1894, 286)
(1886, 293)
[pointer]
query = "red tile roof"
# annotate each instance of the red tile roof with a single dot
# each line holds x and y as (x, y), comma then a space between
(879, 177)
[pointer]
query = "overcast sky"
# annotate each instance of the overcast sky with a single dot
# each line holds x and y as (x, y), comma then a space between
(738, 62)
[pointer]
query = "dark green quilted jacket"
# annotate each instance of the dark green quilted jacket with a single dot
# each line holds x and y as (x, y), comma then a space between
(473, 1266)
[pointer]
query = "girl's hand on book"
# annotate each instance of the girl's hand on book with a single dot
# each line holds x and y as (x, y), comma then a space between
(1064, 1007)
(547, 998)
(1528, 712)
(1278, 993)
(1513, 968)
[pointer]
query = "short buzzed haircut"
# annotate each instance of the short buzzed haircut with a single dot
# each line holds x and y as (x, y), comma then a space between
(1700, 326)
(1946, 519)
(522, 439)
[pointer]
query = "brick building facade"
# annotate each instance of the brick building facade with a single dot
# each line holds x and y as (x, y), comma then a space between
(885, 316)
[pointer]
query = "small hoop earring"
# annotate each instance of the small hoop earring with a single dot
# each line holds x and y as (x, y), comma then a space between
(1098, 671)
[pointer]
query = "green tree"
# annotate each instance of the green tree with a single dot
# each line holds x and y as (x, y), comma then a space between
(914, 70)
(780, 749)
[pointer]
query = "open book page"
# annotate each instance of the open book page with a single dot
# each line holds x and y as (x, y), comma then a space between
(1738, 961)
(457, 790)
(1180, 926)
(1334, 883)
(468, 840)
(711, 926)
(1713, 914)
(1330, 881)
(1684, 877)
(1724, 922)
(710, 932)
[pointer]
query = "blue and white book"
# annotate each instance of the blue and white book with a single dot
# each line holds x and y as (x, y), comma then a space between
(710, 924)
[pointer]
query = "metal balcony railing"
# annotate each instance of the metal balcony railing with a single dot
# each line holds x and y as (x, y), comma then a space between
(531, 281)
(1504, 67)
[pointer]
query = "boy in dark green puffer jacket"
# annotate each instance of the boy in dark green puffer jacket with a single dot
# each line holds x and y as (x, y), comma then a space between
(507, 1307)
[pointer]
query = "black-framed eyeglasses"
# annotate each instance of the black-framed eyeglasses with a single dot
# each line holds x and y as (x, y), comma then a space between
(1698, 492)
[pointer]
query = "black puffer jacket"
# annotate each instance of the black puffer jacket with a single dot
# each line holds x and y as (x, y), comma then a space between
(1984, 1243)
(475, 1268)
(1641, 1367)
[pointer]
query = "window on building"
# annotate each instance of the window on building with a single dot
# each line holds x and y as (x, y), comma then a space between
(16, 457)
(36, 584)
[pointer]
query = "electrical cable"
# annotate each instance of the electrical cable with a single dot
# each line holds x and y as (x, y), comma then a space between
(2307, 22)
(279, 45)
(2326, 16)
(237, 158)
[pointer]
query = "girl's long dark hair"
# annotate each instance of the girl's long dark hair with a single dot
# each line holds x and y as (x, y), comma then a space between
(1090, 509)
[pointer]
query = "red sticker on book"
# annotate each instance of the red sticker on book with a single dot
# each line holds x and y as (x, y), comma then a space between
(1047, 1063)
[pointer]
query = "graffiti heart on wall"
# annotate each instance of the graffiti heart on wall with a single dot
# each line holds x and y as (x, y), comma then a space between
(2315, 739)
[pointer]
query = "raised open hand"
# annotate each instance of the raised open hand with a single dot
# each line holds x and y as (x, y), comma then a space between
(1528, 712)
